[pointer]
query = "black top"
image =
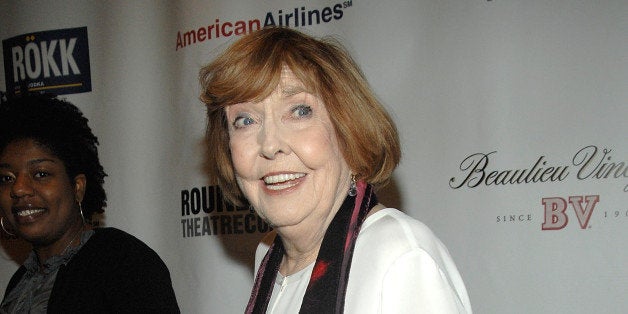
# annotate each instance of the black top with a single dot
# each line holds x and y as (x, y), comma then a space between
(114, 272)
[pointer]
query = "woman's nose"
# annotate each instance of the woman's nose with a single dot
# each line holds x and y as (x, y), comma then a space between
(22, 186)
(272, 140)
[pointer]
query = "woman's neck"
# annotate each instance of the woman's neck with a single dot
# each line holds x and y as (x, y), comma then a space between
(302, 246)
(71, 238)
(292, 264)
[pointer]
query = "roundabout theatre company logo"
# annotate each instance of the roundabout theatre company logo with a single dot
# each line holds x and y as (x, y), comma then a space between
(204, 212)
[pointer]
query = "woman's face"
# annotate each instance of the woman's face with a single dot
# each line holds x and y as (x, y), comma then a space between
(37, 197)
(286, 156)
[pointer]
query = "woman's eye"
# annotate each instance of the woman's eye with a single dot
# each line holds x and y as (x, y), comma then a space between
(5, 179)
(301, 111)
(242, 121)
(41, 174)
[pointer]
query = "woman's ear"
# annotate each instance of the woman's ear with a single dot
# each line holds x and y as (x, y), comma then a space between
(80, 184)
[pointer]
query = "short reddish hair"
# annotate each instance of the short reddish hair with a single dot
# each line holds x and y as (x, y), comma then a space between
(250, 69)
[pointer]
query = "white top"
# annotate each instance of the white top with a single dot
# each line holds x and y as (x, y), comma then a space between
(398, 266)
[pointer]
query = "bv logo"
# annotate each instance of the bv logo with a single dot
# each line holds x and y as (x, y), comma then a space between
(556, 207)
(55, 61)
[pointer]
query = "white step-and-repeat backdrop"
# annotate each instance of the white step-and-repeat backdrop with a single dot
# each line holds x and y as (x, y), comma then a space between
(512, 114)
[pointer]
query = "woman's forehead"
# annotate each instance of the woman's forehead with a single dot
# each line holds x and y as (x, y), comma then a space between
(290, 84)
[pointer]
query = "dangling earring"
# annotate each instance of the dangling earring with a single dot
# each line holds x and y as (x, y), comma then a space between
(251, 209)
(3, 228)
(81, 212)
(353, 189)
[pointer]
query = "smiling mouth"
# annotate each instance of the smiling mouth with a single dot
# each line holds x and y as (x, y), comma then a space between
(28, 212)
(282, 181)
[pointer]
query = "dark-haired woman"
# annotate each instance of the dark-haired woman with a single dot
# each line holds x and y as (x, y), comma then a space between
(51, 182)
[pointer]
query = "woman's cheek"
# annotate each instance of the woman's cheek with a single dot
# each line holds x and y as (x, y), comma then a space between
(239, 157)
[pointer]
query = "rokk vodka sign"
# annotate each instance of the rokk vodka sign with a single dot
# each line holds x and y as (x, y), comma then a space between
(54, 61)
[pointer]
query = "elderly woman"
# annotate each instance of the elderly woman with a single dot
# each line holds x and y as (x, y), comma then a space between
(51, 182)
(296, 132)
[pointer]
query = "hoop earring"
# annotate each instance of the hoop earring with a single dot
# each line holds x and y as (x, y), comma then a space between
(81, 212)
(353, 189)
(3, 228)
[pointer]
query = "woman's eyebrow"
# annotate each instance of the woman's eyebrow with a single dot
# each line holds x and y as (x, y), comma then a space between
(40, 160)
(33, 162)
(290, 90)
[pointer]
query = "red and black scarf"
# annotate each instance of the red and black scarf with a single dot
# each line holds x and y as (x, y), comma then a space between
(328, 283)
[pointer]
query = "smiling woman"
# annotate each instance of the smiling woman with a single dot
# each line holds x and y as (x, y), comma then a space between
(51, 183)
(50, 219)
(295, 131)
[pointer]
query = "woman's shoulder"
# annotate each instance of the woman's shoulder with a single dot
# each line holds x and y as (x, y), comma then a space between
(401, 256)
(114, 233)
(113, 236)
(115, 242)
(391, 220)
(397, 233)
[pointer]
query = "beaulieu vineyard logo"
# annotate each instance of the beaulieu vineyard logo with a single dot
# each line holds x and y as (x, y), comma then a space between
(590, 163)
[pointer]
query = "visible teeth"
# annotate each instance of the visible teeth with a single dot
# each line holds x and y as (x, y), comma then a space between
(277, 187)
(282, 177)
(29, 212)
